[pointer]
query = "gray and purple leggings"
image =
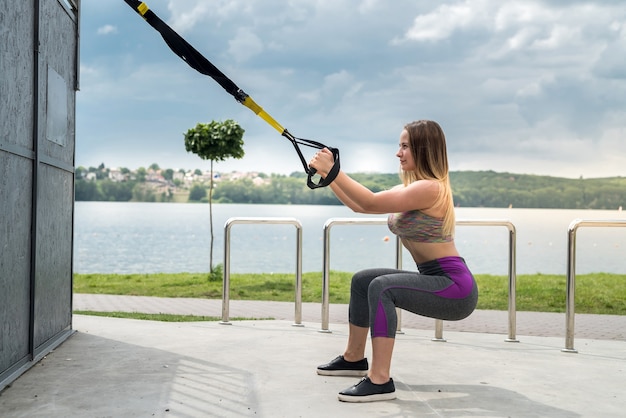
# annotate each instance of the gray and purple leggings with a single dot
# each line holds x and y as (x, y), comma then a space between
(442, 289)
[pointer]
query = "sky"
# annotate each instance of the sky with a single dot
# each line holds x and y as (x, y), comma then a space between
(526, 87)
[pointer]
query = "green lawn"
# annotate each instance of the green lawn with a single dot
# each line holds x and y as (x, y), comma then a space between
(597, 293)
(158, 317)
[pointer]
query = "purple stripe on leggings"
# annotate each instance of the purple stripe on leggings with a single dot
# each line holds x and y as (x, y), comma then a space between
(380, 323)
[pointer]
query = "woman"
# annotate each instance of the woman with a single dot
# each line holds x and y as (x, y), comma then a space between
(422, 215)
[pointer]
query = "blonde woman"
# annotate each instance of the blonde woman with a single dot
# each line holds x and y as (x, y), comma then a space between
(422, 215)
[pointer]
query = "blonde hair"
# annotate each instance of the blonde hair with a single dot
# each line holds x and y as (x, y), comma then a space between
(428, 147)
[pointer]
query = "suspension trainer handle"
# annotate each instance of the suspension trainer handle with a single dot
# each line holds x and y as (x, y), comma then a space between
(310, 171)
(332, 174)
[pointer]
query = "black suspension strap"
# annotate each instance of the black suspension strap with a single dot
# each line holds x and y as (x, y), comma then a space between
(198, 62)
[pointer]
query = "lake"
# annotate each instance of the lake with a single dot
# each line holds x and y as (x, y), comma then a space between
(123, 237)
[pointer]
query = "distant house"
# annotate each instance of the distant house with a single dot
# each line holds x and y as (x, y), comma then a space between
(205, 177)
(156, 177)
(178, 176)
(115, 174)
(258, 181)
(189, 177)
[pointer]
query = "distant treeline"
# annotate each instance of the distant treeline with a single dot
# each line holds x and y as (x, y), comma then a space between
(491, 189)
(471, 189)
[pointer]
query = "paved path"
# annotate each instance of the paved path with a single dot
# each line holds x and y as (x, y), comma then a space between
(542, 324)
(113, 367)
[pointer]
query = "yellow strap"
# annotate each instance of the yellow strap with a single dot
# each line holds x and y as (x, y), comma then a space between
(142, 8)
(258, 110)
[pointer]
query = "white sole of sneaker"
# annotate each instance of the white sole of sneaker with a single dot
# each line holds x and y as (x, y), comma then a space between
(350, 373)
(369, 398)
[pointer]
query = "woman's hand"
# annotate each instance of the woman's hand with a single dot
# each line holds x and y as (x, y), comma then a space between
(322, 162)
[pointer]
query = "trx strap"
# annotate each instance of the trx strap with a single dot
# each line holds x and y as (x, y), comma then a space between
(198, 62)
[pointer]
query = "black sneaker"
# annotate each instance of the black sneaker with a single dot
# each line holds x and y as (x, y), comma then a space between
(366, 391)
(341, 367)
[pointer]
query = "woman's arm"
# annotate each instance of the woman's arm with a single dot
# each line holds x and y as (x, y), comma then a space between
(345, 199)
(417, 195)
(320, 162)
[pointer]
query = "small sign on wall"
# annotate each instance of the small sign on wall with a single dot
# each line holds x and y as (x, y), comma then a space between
(56, 112)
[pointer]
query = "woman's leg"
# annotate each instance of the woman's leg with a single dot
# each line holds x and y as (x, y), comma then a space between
(435, 295)
(382, 349)
(357, 339)
(359, 312)
(411, 291)
(431, 293)
(353, 361)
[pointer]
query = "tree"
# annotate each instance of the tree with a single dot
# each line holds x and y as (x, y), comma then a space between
(197, 193)
(141, 174)
(215, 141)
(168, 174)
(80, 172)
(86, 191)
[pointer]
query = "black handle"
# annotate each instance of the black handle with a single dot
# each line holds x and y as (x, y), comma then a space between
(332, 174)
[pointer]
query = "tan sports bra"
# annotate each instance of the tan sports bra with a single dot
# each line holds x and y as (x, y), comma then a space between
(415, 225)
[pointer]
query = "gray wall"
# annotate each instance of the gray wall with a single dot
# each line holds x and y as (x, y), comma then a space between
(38, 81)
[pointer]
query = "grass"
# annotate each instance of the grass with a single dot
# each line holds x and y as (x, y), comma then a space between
(159, 317)
(596, 293)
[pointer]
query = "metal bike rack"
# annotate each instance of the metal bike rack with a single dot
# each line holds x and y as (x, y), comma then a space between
(438, 323)
(512, 275)
(226, 283)
(326, 269)
(571, 274)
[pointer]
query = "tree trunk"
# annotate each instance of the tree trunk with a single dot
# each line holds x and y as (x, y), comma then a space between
(211, 219)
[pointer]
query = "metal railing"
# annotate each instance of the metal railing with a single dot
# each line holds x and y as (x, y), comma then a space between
(226, 283)
(512, 275)
(571, 268)
(571, 273)
(326, 255)
(438, 323)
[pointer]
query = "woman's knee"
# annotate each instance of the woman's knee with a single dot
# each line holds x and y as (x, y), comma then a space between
(362, 279)
(378, 291)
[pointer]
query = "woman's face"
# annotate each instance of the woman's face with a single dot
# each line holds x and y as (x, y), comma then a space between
(404, 152)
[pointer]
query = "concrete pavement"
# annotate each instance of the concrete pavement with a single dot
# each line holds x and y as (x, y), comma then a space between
(129, 368)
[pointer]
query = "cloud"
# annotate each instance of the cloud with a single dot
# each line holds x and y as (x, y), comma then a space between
(610, 62)
(245, 45)
(184, 20)
(107, 30)
(446, 19)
